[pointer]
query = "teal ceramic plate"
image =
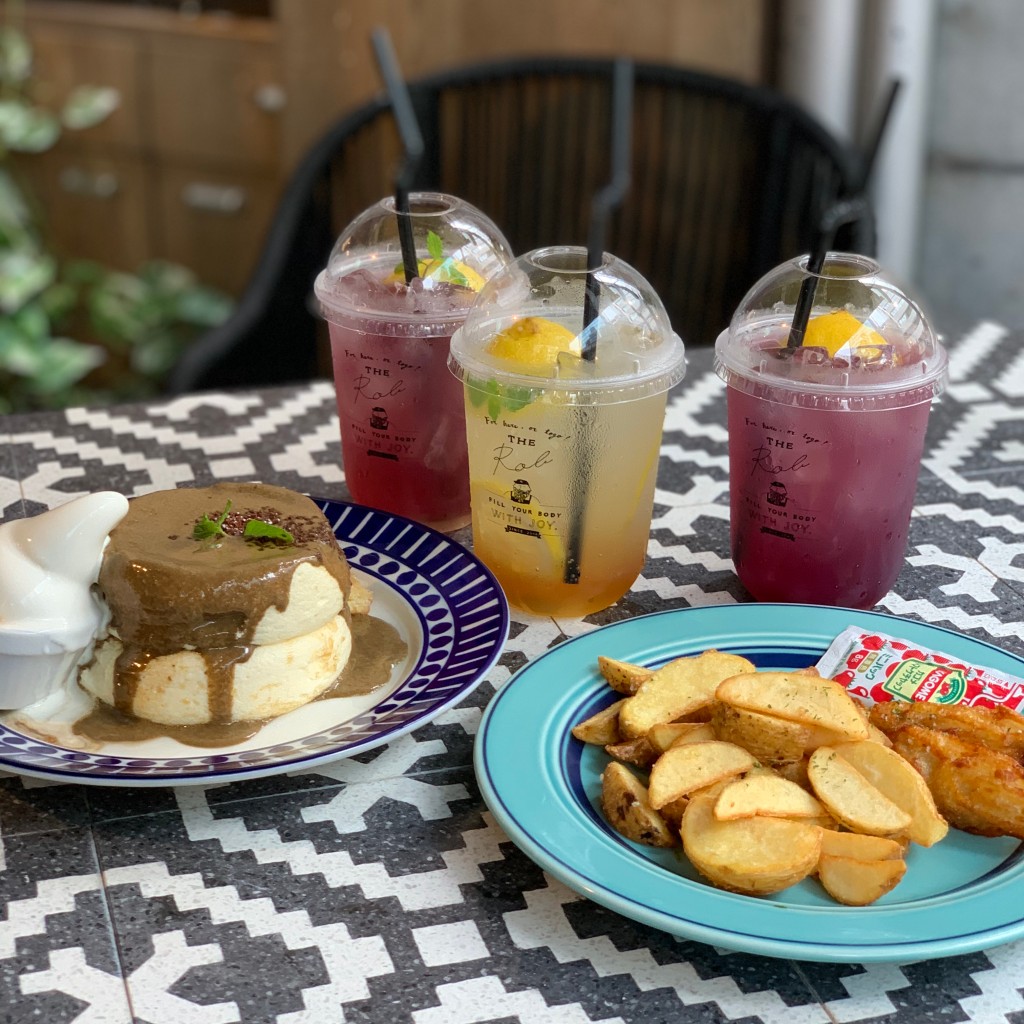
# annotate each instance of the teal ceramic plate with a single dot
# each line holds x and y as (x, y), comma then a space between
(543, 786)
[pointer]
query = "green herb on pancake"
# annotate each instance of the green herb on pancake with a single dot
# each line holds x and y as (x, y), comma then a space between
(257, 529)
(238, 524)
(207, 527)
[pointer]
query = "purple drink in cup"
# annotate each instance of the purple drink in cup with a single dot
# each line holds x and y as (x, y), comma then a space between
(826, 438)
(403, 434)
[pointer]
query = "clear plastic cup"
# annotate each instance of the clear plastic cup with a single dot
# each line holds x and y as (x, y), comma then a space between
(403, 437)
(825, 439)
(563, 449)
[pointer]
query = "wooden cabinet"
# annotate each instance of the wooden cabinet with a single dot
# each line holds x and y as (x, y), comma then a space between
(218, 106)
(188, 167)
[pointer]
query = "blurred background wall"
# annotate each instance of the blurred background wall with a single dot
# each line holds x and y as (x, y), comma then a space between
(950, 179)
(218, 99)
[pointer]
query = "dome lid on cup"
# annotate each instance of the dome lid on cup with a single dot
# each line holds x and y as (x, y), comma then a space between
(364, 283)
(867, 344)
(527, 328)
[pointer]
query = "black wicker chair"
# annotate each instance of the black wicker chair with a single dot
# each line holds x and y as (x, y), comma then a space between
(727, 180)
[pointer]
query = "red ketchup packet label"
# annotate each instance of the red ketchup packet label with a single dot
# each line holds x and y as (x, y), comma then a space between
(879, 668)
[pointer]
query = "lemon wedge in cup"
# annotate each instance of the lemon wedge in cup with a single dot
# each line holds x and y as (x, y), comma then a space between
(534, 342)
(840, 330)
(453, 271)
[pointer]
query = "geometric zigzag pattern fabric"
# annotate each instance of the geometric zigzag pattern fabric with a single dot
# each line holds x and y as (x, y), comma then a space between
(379, 888)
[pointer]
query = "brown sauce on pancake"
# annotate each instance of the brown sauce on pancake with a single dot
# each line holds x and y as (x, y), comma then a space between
(376, 648)
(168, 591)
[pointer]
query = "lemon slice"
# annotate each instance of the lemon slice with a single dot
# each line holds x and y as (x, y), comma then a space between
(838, 330)
(453, 271)
(534, 343)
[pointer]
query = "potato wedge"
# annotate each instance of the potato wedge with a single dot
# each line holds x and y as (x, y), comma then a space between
(797, 697)
(765, 736)
(858, 846)
(673, 812)
(678, 689)
(623, 676)
(639, 751)
(602, 728)
(664, 734)
(625, 805)
(902, 783)
(850, 798)
(698, 732)
(770, 795)
(795, 771)
(689, 766)
(858, 883)
(756, 856)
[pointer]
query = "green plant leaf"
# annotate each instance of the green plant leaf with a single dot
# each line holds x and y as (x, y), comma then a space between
(83, 272)
(59, 300)
(154, 355)
(10, 339)
(435, 246)
(62, 362)
(15, 216)
(15, 56)
(167, 278)
(115, 309)
(32, 321)
(203, 307)
(89, 105)
(23, 275)
(27, 129)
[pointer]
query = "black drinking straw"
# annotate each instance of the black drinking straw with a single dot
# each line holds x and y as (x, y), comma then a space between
(605, 203)
(841, 212)
(610, 197)
(412, 145)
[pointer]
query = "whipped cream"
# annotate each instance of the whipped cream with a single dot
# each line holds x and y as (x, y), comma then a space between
(50, 614)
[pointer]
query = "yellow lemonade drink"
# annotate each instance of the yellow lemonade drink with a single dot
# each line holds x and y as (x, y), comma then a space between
(526, 467)
(564, 443)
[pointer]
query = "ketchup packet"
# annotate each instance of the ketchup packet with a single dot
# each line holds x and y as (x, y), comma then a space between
(880, 668)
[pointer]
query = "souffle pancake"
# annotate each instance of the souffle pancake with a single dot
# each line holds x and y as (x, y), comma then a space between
(228, 603)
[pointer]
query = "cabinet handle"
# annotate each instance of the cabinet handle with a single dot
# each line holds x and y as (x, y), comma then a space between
(226, 199)
(79, 182)
(270, 98)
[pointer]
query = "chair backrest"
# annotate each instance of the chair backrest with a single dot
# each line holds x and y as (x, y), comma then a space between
(728, 179)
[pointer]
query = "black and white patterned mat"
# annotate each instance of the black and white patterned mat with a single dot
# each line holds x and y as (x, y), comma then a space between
(379, 889)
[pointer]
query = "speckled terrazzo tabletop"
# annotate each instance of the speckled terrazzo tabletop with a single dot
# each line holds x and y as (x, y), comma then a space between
(379, 888)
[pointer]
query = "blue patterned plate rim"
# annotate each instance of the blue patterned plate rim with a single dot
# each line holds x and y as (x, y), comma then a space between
(458, 606)
(543, 787)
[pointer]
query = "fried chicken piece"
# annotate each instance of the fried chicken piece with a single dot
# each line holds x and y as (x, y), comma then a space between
(975, 789)
(998, 729)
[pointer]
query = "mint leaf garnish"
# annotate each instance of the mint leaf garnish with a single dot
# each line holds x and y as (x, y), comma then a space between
(257, 528)
(499, 398)
(435, 246)
(207, 527)
(450, 272)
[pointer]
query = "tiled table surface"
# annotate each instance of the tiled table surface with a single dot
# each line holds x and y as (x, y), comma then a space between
(380, 889)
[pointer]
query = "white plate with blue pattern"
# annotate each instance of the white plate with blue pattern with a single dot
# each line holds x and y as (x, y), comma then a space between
(964, 894)
(443, 601)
